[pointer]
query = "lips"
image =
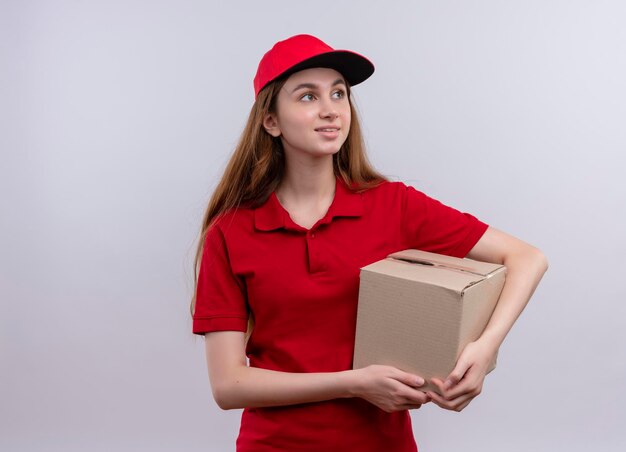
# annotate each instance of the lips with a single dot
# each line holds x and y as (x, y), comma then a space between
(330, 133)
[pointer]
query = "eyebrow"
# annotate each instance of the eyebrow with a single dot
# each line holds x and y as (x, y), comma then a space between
(314, 86)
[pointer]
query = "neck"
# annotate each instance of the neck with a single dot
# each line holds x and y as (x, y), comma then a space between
(312, 183)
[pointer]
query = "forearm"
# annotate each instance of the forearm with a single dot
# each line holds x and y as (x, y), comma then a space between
(237, 385)
(524, 272)
(253, 387)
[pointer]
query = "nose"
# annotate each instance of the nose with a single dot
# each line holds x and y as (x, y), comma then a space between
(328, 110)
(329, 113)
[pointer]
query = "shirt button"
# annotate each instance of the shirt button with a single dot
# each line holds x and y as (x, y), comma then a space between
(312, 235)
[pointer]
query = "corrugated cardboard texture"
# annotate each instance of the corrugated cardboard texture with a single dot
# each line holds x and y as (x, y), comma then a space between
(418, 310)
(479, 302)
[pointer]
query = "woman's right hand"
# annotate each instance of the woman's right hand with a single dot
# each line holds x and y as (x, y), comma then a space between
(389, 388)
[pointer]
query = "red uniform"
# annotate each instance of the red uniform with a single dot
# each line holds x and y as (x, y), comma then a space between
(302, 286)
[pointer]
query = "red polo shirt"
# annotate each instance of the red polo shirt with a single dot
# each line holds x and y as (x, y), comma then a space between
(302, 286)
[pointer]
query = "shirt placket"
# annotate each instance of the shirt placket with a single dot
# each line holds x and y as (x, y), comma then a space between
(314, 253)
(313, 242)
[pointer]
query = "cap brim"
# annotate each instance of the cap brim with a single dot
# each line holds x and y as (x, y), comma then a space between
(354, 67)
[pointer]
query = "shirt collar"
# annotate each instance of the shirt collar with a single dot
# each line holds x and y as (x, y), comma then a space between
(272, 215)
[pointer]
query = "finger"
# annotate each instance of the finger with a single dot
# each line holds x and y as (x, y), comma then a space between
(418, 397)
(462, 406)
(461, 402)
(455, 404)
(413, 396)
(471, 384)
(439, 385)
(411, 407)
(438, 400)
(457, 374)
(409, 379)
(471, 387)
(455, 392)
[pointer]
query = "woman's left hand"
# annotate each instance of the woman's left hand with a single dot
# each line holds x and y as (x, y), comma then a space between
(466, 380)
(525, 266)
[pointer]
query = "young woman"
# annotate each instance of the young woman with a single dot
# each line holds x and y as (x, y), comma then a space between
(298, 211)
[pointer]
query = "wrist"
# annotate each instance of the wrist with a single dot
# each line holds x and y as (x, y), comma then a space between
(491, 340)
(349, 383)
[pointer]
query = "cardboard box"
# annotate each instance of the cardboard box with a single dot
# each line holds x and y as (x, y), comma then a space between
(418, 310)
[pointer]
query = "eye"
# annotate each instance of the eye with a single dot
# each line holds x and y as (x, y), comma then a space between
(306, 95)
(341, 93)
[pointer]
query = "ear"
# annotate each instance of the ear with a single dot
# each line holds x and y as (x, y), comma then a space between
(270, 124)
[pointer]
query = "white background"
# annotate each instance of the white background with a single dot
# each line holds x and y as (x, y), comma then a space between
(117, 117)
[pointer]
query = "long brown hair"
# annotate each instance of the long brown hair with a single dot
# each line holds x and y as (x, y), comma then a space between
(257, 166)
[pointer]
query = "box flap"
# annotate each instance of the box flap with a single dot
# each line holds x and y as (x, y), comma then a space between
(447, 262)
(446, 271)
(430, 275)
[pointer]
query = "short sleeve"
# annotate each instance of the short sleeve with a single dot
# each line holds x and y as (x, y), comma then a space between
(220, 294)
(430, 225)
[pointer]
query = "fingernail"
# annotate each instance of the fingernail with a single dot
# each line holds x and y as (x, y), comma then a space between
(447, 384)
(419, 381)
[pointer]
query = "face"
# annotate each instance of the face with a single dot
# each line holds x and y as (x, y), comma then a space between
(312, 113)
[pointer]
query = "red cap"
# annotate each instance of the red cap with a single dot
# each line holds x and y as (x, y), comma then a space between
(304, 52)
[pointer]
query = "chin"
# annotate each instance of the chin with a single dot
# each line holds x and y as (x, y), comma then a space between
(323, 153)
